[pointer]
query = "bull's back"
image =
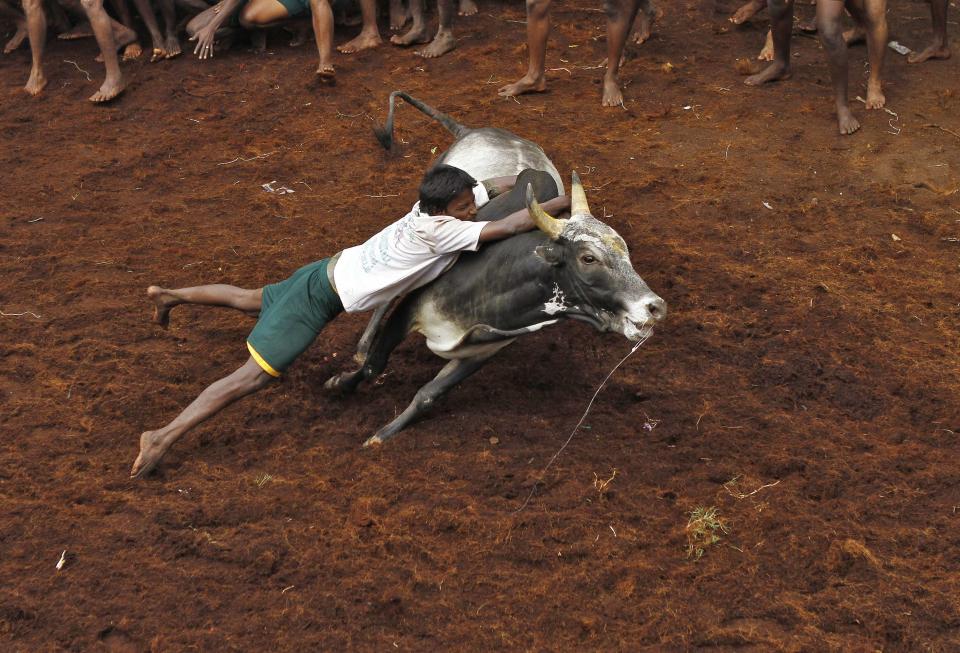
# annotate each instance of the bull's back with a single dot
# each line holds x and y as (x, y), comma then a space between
(492, 152)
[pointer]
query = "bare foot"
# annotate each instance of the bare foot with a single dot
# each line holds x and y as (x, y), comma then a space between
(171, 47)
(132, 51)
(326, 74)
(299, 34)
(935, 51)
(258, 39)
(124, 38)
(163, 301)
(766, 54)
(362, 42)
(416, 34)
(110, 89)
(439, 47)
(747, 11)
(875, 97)
(855, 34)
(467, 8)
(78, 31)
(848, 124)
(642, 28)
(399, 15)
(36, 82)
(152, 448)
(775, 72)
(525, 84)
(612, 95)
(808, 26)
(17, 38)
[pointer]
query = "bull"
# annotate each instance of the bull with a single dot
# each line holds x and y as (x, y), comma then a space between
(574, 268)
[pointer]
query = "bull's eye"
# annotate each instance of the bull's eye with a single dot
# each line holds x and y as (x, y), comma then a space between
(589, 259)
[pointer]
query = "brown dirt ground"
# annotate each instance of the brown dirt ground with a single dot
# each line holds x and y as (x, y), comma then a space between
(812, 345)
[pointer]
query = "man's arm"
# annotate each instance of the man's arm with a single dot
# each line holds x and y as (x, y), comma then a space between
(520, 221)
(498, 185)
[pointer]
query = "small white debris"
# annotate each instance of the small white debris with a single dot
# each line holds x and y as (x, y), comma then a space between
(899, 48)
(62, 561)
(767, 205)
(282, 190)
(895, 237)
(433, 150)
(688, 107)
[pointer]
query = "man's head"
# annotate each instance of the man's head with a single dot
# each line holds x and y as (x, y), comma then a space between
(446, 190)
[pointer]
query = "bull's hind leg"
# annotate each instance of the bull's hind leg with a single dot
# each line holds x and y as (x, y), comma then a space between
(452, 373)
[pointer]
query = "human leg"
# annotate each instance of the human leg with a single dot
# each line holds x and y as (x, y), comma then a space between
(620, 15)
(747, 11)
(369, 36)
(247, 379)
(538, 29)
(247, 300)
(467, 8)
(444, 41)
(37, 28)
(830, 31)
(322, 16)
(10, 12)
(781, 25)
(544, 188)
(939, 48)
(418, 28)
(872, 14)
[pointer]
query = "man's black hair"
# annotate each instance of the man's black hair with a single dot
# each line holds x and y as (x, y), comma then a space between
(440, 185)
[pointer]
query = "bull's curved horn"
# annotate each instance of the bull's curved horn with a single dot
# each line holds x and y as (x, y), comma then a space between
(544, 221)
(578, 198)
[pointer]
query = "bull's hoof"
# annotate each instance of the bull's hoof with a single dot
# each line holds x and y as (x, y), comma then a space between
(372, 440)
(333, 384)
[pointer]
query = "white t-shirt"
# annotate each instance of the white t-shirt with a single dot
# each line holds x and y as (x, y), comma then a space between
(411, 252)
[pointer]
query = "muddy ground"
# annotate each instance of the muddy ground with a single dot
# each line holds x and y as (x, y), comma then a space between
(805, 384)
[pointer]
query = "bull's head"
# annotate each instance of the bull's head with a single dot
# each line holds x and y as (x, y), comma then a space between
(596, 282)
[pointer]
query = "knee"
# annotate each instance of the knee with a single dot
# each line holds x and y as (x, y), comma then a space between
(830, 31)
(538, 8)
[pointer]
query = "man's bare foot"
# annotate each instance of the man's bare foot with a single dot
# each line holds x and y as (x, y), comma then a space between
(78, 31)
(525, 84)
(125, 38)
(17, 38)
(399, 14)
(258, 40)
(855, 34)
(163, 301)
(766, 54)
(299, 33)
(171, 47)
(808, 26)
(110, 89)
(847, 123)
(362, 42)
(132, 51)
(416, 34)
(642, 28)
(747, 11)
(875, 97)
(935, 51)
(36, 82)
(439, 46)
(326, 74)
(152, 448)
(467, 8)
(775, 72)
(612, 95)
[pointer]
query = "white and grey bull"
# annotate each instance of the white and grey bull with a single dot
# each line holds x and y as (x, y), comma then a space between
(577, 268)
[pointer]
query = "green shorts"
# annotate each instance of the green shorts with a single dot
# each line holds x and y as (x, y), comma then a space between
(296, 7)
(292, 313)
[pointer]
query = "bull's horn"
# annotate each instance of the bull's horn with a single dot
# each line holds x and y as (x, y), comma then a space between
(544, 221)
(578, 198)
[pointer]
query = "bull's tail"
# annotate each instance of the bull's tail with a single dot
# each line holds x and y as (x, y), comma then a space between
(385, 133)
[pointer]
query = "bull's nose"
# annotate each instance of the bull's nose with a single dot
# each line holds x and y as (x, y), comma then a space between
(657, 308)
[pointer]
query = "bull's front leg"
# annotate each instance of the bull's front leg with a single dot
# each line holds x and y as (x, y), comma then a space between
(373, 352)
(452, 373)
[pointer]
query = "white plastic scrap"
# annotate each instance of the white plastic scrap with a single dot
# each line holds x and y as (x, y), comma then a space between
(767, 205)
(899, 48)
(62, 561)
(282, 190)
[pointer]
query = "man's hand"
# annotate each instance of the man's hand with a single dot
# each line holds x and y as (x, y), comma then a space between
(205, 38)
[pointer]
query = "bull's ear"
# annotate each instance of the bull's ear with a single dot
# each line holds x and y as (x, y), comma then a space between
(550, 254)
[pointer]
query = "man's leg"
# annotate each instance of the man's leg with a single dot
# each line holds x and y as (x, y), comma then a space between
(369, 36)
(747, 11)
(10, 12)
(872, 14)
(444, 41)
(109, 35)
(154, 444)
(830, 30)
(37, 28)
(538, 29)
(643, 23)
(171, 43)
(620, 15)
(939, 48)
(418, 28)
(241, 299)
(781, 24)
(323, 33)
